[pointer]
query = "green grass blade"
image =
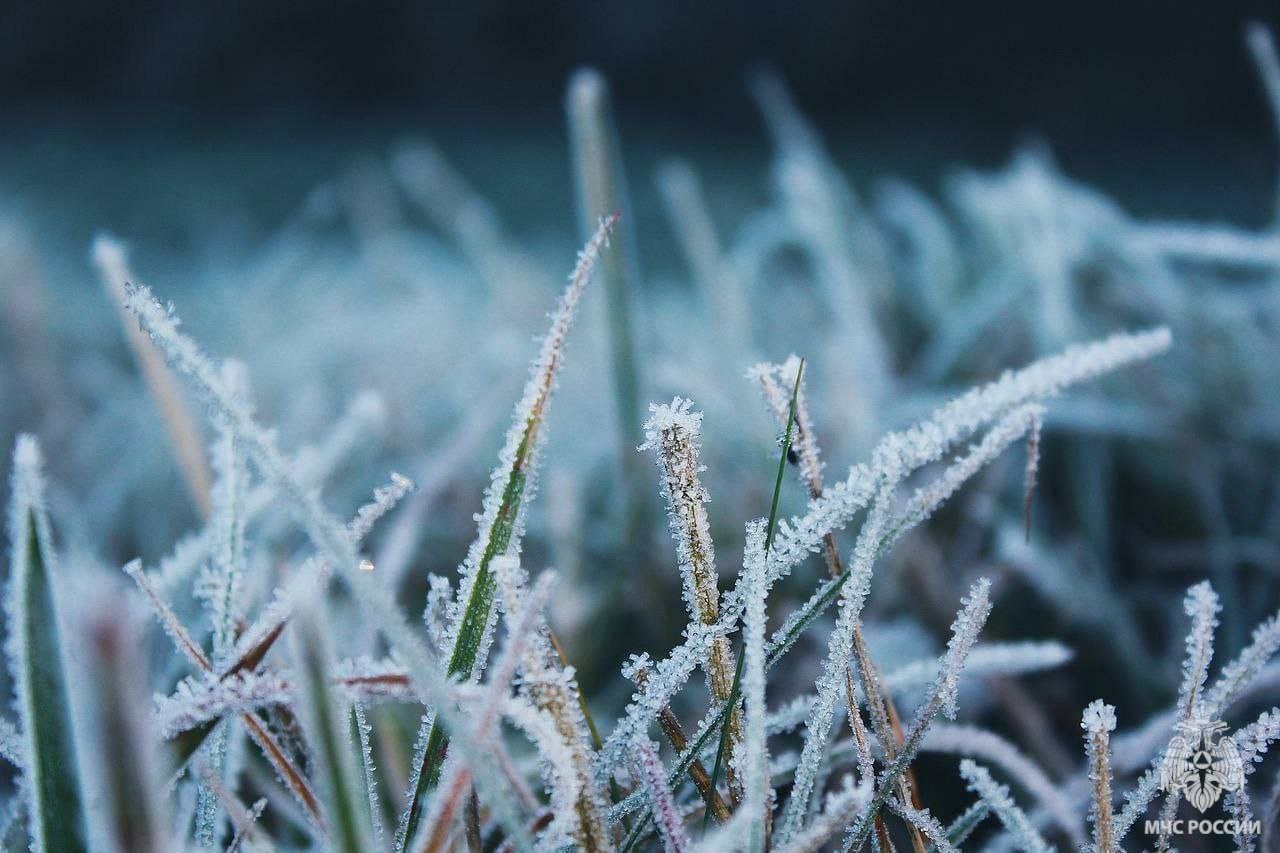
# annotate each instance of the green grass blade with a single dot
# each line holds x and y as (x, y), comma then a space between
(51, 776)
(768, 542)
(325, 718)
(504, 513)
(601, 188)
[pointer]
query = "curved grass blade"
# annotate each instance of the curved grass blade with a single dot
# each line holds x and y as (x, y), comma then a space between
(51, 775)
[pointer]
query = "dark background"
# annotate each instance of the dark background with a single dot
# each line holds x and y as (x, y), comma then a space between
(1079, 70)
(1154, 102)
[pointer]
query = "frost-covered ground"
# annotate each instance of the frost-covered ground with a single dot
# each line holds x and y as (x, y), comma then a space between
(381, 310)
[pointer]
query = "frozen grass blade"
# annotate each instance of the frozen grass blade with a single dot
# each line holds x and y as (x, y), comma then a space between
(1098, 723)
(897, 455)
(364, 732)
(964, 632)
(502, 521)
(11, 743)
(51, 775)
(726, 299)
(602, 193)
(997, 797)
(768, 543)
(668, 817)
(1262, 46)
(131, 818)
(755, 745)
(186, 745)
(673, 432)
(333, 540)
(109, 257)
(456, 784)
(324, 720)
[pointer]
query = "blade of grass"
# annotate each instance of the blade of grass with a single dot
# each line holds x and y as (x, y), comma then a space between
(180, 423)
(504, 513)
(325, 724)
(735, 692)
(133, 816)
(51, 774)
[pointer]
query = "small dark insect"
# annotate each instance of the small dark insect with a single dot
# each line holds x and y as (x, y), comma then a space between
(792, 456)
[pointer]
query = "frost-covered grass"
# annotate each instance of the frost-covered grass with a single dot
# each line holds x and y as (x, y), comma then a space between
(1015, 425)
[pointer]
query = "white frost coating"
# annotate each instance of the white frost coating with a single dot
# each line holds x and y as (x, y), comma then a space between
(552, 687)
(973, 742)
(879, 530)
(1202, 606)
(964, 633)
(666, 814)
(1098, 722)
(198, 700)
(329, 535)
(525, 430)
(774, 379)
(455, 781)
(997, 797)
(841, 806)
(1099, 717)
(558, 771)
(363, 730)
(673, 432)
(312, 465)
(755, 746)
(797, 538)
(839, 652)
(1237, 675)
(925, 822)
(384, 500)
(11, 743)
(964, 630)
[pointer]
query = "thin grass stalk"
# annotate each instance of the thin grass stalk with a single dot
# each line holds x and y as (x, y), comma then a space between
(184, 434)
(276, 755)
(879, 702)
(602, 192)
(324, 718)
(502, 521)
(673, 432)
(1098, 723)
(768, 543)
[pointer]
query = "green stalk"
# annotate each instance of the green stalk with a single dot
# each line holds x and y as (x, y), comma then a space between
(768, 543)
(530, 416)
(327, 732)
(602, 191)
(474, 620)
(51, 776)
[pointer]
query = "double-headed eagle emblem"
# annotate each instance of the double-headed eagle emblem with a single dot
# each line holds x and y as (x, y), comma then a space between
(1200, 763)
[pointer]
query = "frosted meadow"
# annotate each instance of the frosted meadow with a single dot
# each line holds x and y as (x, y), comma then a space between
(900, 522)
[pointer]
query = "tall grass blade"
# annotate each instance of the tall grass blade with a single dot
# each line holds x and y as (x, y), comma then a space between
(131, 817)
(502, 522)
(51, 770)
(324, 720)
(109, 257)
(602, 192)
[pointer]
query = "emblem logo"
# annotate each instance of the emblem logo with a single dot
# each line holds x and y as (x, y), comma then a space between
(1201, 763)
